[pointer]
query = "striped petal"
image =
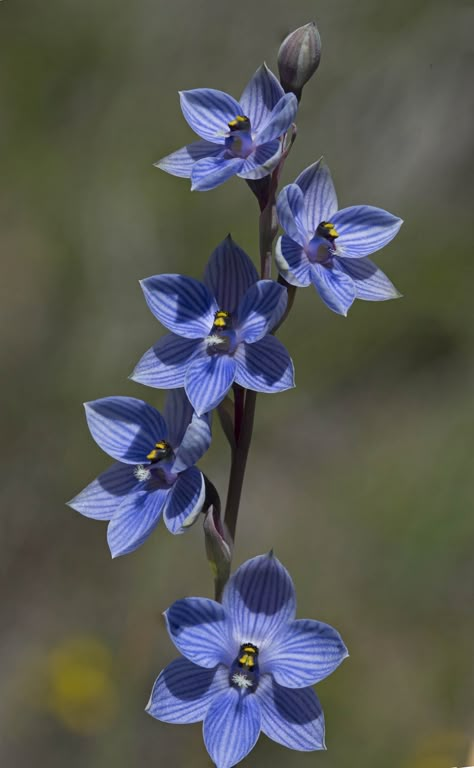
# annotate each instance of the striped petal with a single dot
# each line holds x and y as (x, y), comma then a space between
(125, 428)
(181, 304)
(306, 653)
(101, 498)
(320, 200)
(195, 441)
(180, 163)
(178, 413)
(336, 289)
(229, 274)
(370, 282)
(231, 727)
(212, 171)
(209, 112)
(293, 718)
(134, 520)
(264, 366)
(261, 309)
(208, 380)
(259, 600)
(165, 364)
(185, 500)
(199, 629)
(290, 205)
(292, 262)
(262, 161)
(261, 94)
(279, 120)
(364, 229)
(183, 692)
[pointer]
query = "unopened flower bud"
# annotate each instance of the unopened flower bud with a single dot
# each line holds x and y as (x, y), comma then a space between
(218, 549)
(298, 58)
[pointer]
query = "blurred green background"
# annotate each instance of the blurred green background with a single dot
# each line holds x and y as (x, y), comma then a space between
(361, 478)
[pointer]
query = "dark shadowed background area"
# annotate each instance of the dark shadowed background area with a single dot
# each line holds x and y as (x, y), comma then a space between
(361, 478)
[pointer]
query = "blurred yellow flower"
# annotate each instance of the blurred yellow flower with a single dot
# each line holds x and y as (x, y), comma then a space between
(81, 689)
(441, 749)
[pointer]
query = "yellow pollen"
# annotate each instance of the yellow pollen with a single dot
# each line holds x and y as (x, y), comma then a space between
(248, 657)
(221, 320)
(160, 451)
(327, 229)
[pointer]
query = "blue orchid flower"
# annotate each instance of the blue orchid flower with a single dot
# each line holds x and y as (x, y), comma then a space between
(237, 137)
(248, 665)
(154, 475)
(326, 247)
(219, 331)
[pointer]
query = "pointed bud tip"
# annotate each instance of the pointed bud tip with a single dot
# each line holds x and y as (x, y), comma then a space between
(299, 57)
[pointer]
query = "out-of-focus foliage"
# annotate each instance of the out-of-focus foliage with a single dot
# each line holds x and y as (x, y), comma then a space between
(360, 479)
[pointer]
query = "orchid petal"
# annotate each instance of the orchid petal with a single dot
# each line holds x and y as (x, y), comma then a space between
(101, 498)
(336, 289)
(264, 366)
(181, 304)
(184, 691)
(363, 230)
(165, 364)
(261, 309)
(199, 629)
(231, 727)
(207, 381)
(181, 162)
(134, 520)
(185, 500)
(212, 171)
(293, 718)
(125, 428)
(261, 94)
(209, 112)
(259, 600)
(229, 274)
(320, 200)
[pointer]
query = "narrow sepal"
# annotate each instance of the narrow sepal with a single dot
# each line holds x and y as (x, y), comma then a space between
(293, 718)
(231, 727)
(183, 305)
(124, 427)
(183, 692)
(199, 629)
